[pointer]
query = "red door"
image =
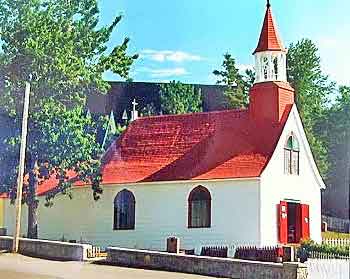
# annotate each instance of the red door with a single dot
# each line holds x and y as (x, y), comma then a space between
(283, 222)
(305, 221)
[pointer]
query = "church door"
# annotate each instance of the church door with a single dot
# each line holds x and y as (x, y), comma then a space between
(293, 222)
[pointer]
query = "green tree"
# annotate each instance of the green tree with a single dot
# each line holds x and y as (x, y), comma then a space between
(237, 89)
(179, 98)
(249, 79)
(312, 87)
(335, 129)
(313, 90)
(60, 44)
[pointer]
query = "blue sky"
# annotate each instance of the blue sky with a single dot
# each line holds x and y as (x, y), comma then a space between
(185, 40)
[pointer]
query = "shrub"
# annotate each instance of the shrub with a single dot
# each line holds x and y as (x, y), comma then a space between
(310, 246)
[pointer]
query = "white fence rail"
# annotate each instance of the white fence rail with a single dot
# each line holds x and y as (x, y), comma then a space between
(336, 242)
(321, 255)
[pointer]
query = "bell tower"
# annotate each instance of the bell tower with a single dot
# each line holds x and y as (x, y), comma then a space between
(270, 55)
(271, 92)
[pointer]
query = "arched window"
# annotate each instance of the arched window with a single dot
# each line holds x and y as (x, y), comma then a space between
(124, 211)
(199, 208)
(291, 156)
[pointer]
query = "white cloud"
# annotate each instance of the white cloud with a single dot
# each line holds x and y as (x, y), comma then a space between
(169, 55)
(163, 73)
(168, 72)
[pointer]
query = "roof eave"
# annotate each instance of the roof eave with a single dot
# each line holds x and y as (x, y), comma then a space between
(167, 182)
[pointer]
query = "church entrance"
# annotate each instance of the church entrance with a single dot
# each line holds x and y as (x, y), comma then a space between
(293, 222)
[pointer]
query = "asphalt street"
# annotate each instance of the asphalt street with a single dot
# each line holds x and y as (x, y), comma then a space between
(15, 266)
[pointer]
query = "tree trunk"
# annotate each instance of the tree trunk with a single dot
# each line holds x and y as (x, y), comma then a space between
(32, 205)
(33, 219)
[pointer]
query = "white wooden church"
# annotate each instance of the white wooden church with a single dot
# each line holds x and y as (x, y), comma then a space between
(216, 178)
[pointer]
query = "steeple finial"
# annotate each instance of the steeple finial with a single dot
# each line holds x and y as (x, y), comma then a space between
(268, 5)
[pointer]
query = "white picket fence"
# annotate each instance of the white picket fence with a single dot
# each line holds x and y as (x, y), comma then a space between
(328, 269)
(336, 242)
(321, 255)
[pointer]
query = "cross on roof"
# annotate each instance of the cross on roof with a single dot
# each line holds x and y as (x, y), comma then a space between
(134, 104)
(134, 113)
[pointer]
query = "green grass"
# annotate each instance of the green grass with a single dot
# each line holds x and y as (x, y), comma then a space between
(335, 235)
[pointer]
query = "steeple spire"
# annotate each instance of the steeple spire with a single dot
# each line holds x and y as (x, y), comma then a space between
(270, 54)
(269, 38)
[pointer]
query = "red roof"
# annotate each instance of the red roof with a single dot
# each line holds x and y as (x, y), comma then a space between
(211, 145)
(269, 39)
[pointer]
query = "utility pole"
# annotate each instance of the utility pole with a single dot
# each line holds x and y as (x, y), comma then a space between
(21, 169)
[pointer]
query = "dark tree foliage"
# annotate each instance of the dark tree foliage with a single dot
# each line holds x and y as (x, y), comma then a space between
(237, 91)
(179, 98)
(335, 129)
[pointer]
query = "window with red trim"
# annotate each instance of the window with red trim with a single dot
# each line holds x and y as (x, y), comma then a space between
(199, 208)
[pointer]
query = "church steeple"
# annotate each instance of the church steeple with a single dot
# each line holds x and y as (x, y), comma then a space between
(271, 94)
(270, 54)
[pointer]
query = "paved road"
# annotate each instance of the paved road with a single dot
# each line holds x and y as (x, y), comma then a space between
(21, 267)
